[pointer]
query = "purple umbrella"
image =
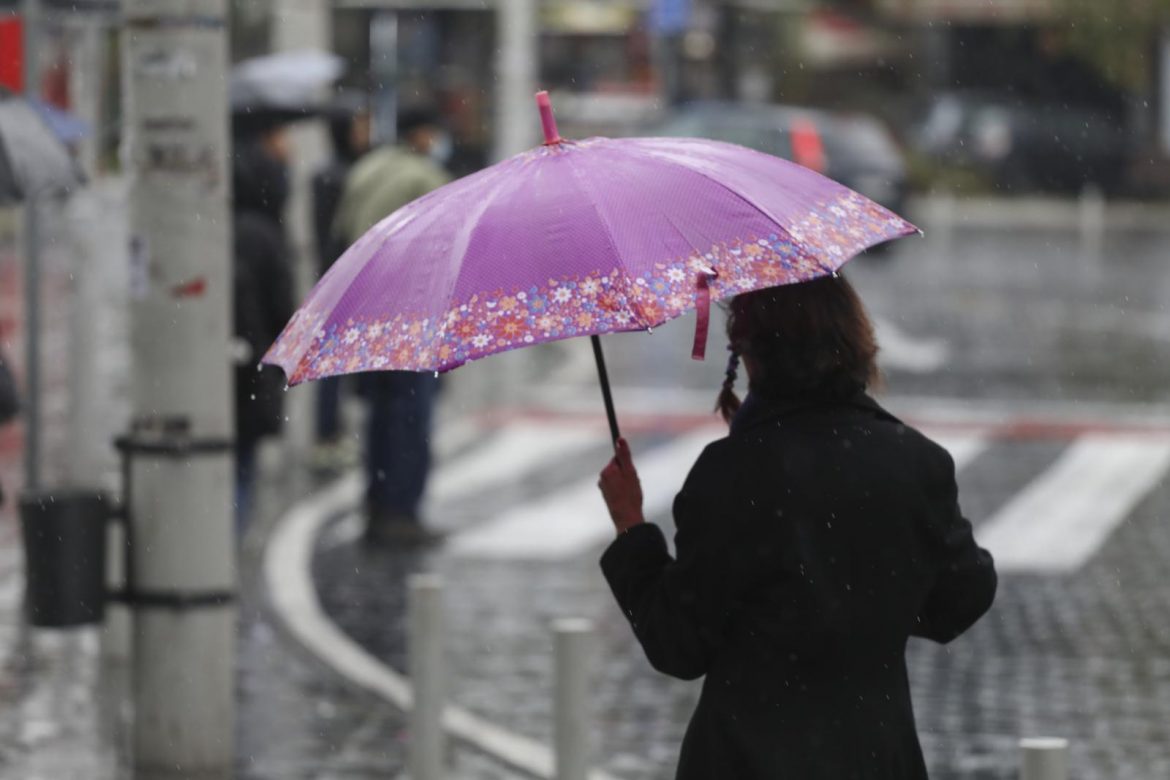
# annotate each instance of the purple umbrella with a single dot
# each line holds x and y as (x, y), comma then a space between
(574, 238)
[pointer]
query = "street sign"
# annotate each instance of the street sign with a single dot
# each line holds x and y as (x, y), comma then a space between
(670, 17)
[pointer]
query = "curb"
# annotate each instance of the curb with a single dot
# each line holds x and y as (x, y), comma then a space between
(287, 576)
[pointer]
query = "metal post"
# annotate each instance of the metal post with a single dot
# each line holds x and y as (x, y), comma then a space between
(181, 570)
(1092, 222)
(427, 672)
(517, 123)
(572, 638)
(941, 223)
(1044, 758)
(1164, 90)
(32, 269)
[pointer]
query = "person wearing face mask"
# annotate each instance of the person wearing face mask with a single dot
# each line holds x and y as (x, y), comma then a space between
(401, 402)
(263, 290)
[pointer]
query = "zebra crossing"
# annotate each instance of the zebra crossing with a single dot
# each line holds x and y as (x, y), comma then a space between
(1062, 516)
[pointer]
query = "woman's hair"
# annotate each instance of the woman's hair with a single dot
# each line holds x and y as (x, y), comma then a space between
(806, 340)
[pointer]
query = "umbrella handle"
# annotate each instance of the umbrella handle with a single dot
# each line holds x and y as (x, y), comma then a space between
(607, 396)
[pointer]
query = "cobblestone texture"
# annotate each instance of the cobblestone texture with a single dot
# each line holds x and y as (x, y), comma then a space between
(1085, 656)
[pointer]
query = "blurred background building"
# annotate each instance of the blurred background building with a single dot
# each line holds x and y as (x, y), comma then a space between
(979, 86)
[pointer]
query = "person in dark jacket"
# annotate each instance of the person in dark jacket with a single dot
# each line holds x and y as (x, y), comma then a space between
(263, 293)
(812, 543)
(9, 400)
(349, 131)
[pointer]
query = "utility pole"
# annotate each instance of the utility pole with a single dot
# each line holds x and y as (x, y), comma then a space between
(181, 568)
(517, 67)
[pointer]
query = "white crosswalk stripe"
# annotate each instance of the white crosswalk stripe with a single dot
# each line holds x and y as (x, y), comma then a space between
(963, 447)
(1064, 516)
(508, 456)
(515, 451)
(572, 520)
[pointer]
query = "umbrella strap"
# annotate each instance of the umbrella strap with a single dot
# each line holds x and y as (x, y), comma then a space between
(702, 312)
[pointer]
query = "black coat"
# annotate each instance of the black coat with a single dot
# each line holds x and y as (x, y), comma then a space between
(263, 291)
(812, 543)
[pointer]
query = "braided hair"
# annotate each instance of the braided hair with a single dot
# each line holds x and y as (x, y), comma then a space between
(729, 403)
(810, 340)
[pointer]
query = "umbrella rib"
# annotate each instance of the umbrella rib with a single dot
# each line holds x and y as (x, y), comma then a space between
(307, 352)
(608, 232)
(739, 196)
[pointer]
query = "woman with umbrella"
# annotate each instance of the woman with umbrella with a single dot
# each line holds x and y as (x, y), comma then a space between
(811, 543)
(816, 538)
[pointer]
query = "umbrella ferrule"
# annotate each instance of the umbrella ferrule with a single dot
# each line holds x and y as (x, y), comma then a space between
(547, 121)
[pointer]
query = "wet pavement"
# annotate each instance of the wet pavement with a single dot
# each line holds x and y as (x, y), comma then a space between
(1013, 347)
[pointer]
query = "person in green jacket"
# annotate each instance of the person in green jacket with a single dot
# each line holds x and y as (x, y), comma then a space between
(401, 402)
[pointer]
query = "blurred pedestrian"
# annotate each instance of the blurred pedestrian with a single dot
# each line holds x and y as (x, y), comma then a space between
(349, 131)
(401, 402)
(812, 542)
(9, 401)
(263, 293)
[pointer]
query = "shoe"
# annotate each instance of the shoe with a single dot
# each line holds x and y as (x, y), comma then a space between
(399, 531)
(334, 457)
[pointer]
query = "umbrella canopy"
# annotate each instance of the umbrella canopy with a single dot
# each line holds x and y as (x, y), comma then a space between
(573, 239)
(32, 158)
(68, 127)
(290, 83)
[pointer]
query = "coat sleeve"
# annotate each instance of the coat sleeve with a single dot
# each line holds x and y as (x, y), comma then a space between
(679, 608)
(966, 582)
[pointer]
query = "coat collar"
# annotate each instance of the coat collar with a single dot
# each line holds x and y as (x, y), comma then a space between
(756, 410)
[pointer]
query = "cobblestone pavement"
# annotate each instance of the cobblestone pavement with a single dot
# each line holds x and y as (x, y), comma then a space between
(1021, 321)
(1084, 656)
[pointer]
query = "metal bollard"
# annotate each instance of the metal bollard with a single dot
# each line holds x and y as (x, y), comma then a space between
(1043, 758)
(427, 671)
(571, 697)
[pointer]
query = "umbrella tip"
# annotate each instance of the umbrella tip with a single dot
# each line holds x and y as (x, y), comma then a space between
(547, 120)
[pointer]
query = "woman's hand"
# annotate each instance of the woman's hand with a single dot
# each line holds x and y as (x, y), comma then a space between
(622, 490)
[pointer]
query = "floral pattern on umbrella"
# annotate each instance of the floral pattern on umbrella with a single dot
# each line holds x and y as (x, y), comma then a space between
(571, 305)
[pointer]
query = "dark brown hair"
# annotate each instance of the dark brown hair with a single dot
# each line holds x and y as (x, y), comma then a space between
(806, 341)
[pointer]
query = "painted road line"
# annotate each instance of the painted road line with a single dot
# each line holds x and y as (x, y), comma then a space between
(573, 519)
(1061, 519)
(508, 456)
(905, 352)
(963, 447)
(288, 577)
(928, 412)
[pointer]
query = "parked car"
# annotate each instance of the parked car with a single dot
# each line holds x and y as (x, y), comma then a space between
(1025, 144)
(854, 149)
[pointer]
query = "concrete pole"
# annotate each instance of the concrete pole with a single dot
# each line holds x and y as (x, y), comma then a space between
(1164, 90)
(182, 568)
(518, 69)
(572, 658)
(31, 21)
(86, 75)
(427, 672)
(1043, 758)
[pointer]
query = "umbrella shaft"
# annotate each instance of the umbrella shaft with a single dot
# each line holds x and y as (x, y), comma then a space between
(607, 396)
